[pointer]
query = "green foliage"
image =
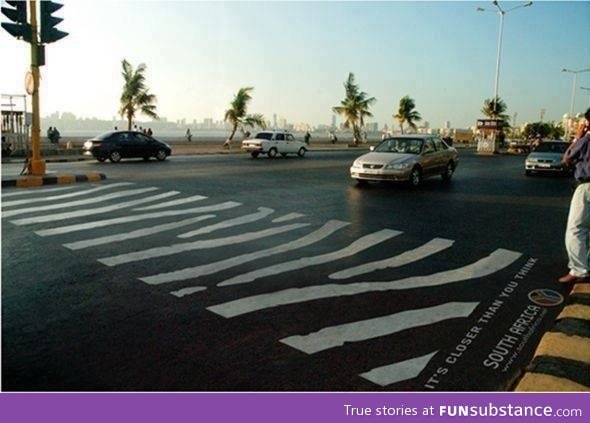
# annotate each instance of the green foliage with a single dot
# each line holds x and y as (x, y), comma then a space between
(495, 109)
(407, 114)
(543, 130)
(135, 96)
(237, 113)
(354, 108)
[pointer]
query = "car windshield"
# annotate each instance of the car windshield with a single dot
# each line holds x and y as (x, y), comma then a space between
(264, 136)
(551, 147)
(400, 145)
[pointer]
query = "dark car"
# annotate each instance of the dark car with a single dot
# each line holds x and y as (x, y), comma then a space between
(125, 144)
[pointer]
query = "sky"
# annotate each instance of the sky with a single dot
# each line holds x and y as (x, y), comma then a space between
(298, 54)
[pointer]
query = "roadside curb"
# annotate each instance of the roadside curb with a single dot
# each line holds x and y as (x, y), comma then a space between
(35, 181)
(562, 359)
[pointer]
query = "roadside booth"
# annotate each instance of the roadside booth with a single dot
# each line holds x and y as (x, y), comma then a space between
(489, 135)
(16, 125)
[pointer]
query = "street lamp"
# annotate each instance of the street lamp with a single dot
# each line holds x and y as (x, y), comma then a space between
(575, 72)
(501, 12)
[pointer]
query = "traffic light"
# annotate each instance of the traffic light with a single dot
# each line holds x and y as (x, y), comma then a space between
(49, 33)
(20, 28)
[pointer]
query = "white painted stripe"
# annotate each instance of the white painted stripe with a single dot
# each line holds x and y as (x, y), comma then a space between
(336, 336)
(89, 212)
(136, 218)
(64, 196)
(66, 205)
(407, 257)
(196, 245)
(188, 291)
(287, 217)
(178, 202)
(496, 261)
(194, 272)
(249, 218)
(359, 245)
(398, 372)
(78, 245)
(35, 190)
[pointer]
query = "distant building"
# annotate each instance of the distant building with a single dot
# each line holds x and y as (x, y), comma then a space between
(372, 127)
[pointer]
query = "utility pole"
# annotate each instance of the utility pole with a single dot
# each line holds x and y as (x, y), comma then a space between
(28, 32)
(36, 164)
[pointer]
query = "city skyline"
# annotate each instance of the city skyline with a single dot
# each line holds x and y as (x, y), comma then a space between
(297, 56)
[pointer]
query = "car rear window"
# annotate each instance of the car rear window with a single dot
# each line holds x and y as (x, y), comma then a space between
(264, 136)
(104, 136)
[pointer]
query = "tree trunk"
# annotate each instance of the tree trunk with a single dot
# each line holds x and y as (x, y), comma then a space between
(130, 120)
(231, 136)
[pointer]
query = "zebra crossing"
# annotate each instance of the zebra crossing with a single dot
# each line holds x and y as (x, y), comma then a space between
(72, 215)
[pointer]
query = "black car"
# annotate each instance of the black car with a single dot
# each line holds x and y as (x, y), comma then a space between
(125, 144)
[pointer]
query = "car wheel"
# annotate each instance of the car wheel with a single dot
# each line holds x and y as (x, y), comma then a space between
(415, 177)
(283, 154)
(161, 155)
(448, 173)
(101, 158)
(301, 152)
(115, 156)
(528, 173)
(361, 182)
(254, 154)
(272, 153)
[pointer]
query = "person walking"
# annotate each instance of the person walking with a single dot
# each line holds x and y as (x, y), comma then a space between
(189, 136)
(577, 234)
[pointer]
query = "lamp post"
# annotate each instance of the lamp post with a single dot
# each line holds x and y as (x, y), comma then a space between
(573, 101)
(500, 12)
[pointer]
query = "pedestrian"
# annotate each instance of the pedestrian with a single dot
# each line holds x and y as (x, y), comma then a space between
(149, 132)
(189, 136)
(577, 234)
(333, 138)
(307, 137)
(6, 147)
(53, 135)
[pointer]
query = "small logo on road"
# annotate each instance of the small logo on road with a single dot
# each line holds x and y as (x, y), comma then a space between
(546, 297)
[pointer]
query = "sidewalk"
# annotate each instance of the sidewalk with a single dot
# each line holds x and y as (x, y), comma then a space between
(562, 359)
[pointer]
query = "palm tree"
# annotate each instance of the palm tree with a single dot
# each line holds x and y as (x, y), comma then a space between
(495, 109)
(406, 113)
(354, 107)
(237, 116)
(136, 96)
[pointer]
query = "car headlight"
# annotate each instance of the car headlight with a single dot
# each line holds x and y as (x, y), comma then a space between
(357, 163)
(88, 145)
(398, 166)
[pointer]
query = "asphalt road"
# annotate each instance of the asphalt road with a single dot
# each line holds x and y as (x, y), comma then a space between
(279, 275)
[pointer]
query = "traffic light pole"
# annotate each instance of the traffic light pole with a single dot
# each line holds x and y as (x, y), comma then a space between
(36, 164)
